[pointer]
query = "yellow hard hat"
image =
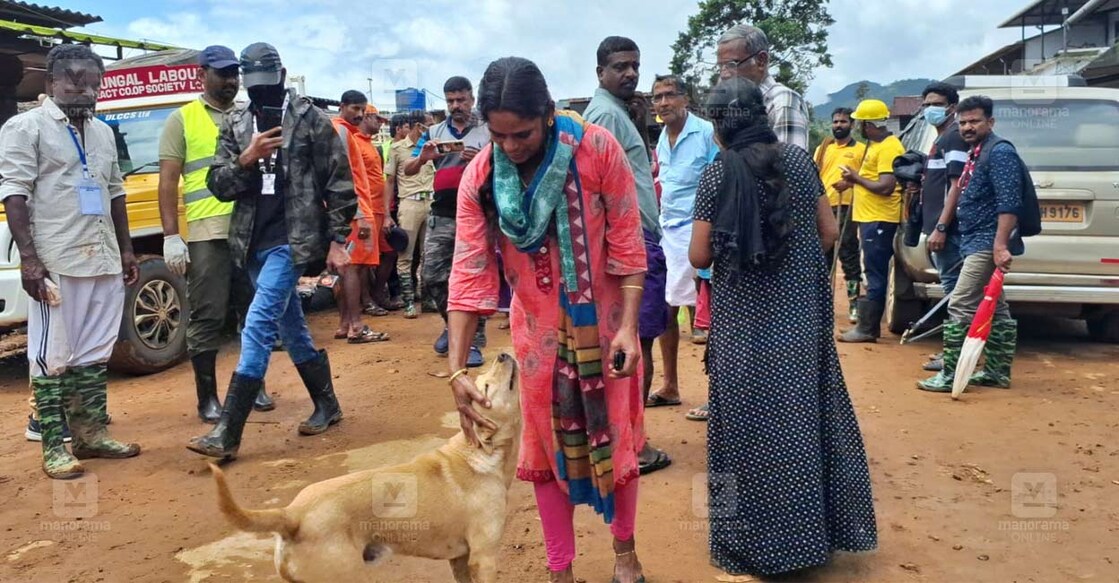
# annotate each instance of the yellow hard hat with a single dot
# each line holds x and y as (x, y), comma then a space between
(871, 110)
(659, 120)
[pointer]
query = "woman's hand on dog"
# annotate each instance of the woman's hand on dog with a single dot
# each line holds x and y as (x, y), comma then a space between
(466, 394)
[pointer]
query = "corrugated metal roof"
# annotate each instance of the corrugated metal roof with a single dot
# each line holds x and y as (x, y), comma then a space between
(40, 15)
(1048, 12)
(81, 37)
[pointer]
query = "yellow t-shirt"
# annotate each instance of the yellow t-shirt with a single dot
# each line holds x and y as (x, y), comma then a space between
(870, 207)
(830, 160)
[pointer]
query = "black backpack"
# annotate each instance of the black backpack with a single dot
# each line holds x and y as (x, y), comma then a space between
(1029, 217)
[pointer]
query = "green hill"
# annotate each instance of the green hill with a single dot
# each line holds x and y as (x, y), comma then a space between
(846, 97)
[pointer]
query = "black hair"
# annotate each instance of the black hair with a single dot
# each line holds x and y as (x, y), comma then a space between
(516, 85)
(417, 116)
(736, 105)
(354, 97)
(396, 122)
(614, 44)
(977, 102)
(949, 92)
(71, 52)
(681, 85)
(847, 111)
(456, 84)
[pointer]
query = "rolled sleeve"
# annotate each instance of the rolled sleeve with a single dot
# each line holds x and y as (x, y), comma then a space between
(116, 181)
(474, 285)
(1006, 178)
(19, 163)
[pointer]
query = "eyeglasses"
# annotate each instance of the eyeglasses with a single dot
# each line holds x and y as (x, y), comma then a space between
(734, 65)
(658, 97)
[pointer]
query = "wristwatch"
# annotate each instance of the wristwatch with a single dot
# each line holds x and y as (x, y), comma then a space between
(340, 239)
(941, 228)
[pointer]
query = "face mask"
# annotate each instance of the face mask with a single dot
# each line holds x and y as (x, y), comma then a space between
(841, 133)
(936, 115)
(266, 95)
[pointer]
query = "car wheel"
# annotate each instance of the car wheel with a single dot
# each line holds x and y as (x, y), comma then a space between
(1104, 328)
(902, 306)
(153, 329)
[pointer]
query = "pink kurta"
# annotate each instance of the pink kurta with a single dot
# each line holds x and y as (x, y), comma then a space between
(617, 249)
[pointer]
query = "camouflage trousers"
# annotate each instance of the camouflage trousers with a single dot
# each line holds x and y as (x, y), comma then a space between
(998, 353)
(439, 255)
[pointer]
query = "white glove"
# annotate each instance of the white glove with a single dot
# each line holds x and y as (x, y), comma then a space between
(175, 254)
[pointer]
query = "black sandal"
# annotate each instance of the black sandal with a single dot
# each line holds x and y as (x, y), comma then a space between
(660, 462)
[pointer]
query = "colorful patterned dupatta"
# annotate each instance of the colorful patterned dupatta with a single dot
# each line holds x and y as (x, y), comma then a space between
(579, 414)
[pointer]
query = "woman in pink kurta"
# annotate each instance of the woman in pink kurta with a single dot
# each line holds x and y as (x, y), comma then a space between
(522, 124)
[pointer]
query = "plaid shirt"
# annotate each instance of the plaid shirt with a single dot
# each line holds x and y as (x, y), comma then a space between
(787, 113)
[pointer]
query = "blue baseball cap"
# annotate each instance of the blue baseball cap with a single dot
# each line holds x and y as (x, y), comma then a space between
(218, 57)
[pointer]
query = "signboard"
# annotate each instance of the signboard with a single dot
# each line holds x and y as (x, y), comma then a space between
(150, 82)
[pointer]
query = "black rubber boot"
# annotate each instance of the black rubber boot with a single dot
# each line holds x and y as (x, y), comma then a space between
(320, 385)
(869, 327)
(225, 438)
(263, 401)
(206, 385)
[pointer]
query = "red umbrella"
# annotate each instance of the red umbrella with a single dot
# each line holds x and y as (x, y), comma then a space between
(977, 334)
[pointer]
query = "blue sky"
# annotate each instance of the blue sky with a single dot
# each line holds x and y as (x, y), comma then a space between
(339, 45)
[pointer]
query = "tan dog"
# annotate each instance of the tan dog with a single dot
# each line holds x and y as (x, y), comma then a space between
(446, 504)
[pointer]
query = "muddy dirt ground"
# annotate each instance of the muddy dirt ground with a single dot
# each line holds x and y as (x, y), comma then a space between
(1019, 485)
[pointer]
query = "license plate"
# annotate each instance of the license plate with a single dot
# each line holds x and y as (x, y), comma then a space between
(1063, 212)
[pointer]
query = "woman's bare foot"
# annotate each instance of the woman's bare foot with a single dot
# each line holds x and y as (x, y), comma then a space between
(627, 569)
(565, 576)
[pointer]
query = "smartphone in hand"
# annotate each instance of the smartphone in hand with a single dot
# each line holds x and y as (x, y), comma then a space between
(449, 147)
(619, 360)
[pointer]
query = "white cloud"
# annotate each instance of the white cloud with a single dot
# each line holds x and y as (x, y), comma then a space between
(338, 45)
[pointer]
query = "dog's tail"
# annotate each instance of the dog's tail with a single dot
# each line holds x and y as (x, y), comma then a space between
(271, 520)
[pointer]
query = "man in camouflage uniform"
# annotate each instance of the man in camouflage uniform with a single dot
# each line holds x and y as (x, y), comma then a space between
(288, 173)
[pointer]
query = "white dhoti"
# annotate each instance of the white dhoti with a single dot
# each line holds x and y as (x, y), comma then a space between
(680, 287)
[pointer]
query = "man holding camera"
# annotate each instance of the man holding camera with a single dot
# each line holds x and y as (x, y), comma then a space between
(288, 173)
(450, 145)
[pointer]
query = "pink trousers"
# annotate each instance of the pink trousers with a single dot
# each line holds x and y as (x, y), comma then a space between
(557, 512)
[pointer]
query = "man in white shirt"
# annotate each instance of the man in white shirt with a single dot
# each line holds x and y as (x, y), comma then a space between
(64, 197)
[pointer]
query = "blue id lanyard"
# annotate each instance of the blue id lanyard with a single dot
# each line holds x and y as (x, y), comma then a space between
(89, 191)
(81, 151)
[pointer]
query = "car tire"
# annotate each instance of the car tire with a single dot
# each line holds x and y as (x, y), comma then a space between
(153, 328)
(1104, 328)
(903, 307)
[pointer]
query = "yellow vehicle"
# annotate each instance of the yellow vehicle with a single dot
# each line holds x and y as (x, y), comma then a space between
(137, 96)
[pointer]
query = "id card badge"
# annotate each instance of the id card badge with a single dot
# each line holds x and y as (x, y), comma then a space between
(268, 185)
(89, 197)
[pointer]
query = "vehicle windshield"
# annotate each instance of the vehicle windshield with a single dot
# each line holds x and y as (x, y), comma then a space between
(1063, 134)
(137, 135)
